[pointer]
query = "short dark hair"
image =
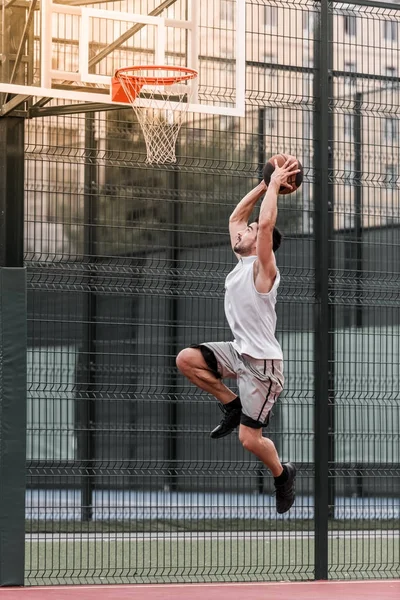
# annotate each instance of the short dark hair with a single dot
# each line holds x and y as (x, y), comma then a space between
(276, 237)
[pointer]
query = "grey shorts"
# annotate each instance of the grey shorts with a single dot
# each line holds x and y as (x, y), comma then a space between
(259, 381)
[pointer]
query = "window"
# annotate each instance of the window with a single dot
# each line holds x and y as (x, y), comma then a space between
(227, 11)
(270, 16)
(390, 130)
(348, 126)
(350, 25)
(391, 176)
(308, 21)
(390, 31)
(270, 60)
(348, 175)
(345, 212)
(350, 67)
(391, 72)
(270, 119)
(60, 139)
(227, 46)
(348, 218)
(269, 64)
(308, 60)
(230, 72)
(226, 123)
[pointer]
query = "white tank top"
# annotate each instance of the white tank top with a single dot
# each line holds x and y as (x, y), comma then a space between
(251, 315)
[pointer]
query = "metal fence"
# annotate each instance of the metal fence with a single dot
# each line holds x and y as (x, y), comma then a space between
(126, 265)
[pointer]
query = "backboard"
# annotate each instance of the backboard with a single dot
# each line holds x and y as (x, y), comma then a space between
(64, 54)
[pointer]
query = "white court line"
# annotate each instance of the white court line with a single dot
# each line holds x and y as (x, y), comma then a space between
(207, 536)
(146, 586)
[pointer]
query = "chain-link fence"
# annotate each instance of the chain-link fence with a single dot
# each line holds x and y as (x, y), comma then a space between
(126, 265)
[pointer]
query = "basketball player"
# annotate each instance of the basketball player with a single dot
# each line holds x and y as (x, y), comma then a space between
(254, 358)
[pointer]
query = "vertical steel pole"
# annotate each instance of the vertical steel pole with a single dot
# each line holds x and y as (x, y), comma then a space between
(323, 228)
(87, 408)
(358, 204)
(13, 351)
(261, 142)
(173, 254)
(12, 192)
(261, 161)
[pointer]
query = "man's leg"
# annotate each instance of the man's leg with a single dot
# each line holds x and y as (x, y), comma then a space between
(200, 366)
(264, 448)
(284, 475)
(191, 363)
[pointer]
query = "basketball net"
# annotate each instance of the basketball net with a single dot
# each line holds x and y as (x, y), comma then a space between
(168, 91)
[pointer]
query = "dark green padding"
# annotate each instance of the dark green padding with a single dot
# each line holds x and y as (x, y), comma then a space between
(13, 346)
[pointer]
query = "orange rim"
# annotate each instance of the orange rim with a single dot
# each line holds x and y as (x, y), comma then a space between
(183, 74)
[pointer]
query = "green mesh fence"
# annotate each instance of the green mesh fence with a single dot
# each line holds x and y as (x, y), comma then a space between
(126, 265)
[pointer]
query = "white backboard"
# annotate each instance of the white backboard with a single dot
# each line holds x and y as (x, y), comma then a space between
(78, 46)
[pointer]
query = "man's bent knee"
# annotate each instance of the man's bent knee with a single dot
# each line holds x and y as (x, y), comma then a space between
(197, 357)
(189, 358)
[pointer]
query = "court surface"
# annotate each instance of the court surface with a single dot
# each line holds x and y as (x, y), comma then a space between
(114, 558)
(315, 590)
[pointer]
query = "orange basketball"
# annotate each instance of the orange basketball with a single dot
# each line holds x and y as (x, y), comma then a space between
(295, 181)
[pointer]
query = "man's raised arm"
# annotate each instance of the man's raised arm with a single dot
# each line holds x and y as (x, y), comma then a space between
(268, 215)
(240, 216)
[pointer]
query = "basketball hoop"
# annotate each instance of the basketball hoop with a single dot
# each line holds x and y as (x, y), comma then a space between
(168, 90)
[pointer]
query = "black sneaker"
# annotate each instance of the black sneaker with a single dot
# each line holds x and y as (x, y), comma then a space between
(285, 492)
(229, 422)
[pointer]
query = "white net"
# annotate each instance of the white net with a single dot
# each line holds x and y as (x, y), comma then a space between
(168, 91)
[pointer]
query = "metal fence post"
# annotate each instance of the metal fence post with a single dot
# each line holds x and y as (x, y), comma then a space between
(323, 227)
(87, 408)
(13, 352)
(358, 201)
(173, 255)
(358, 236)
(261, 159)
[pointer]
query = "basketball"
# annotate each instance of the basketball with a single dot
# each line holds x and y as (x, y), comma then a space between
(295, 181)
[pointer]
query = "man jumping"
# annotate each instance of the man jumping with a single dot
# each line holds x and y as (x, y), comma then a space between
(255, 357)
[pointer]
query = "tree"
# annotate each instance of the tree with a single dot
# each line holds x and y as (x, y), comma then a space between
(140, 205)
